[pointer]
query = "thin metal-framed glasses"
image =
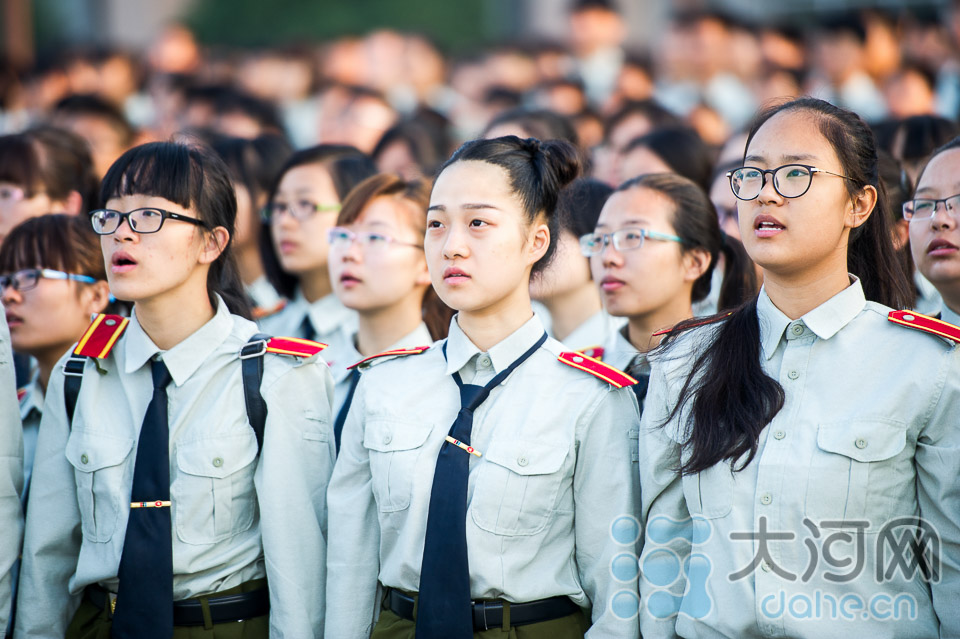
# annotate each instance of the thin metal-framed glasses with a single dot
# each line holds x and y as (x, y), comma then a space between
(28, 278)
(145, 220)
(789, 180)
(626, 239)
(923, 208)
(299, 210)
(341, 239)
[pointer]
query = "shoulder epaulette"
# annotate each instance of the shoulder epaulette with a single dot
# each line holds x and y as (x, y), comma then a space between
(707, 320)
(260, 312)
(100, 337)
(596, 352)
(595, 367)
(397, 352)
(294, 346)
(926, 324)
(21, 393)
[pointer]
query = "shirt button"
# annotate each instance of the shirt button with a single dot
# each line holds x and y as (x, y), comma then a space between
(522, 461)
(765, 567)
(84, 459)
(779, 434)
(217, 462)
(766, 499)
(797, 329)
(861, 443)
(387, 439)
(485, 361)
(793, 374)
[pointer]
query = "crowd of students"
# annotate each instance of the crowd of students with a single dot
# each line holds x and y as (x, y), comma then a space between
(497, 367)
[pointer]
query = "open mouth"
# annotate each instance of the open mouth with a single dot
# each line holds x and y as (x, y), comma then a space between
(13, 320)
(767, 226)
(121, 262)
(454, 276)
(940, 246)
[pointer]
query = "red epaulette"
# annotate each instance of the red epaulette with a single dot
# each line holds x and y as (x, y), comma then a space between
(259, 312)
(294, 346)
(609, 374)
(709, 320)
(397, 352)
(596, 352)
(21, 393)
(101, 335)
(926, 324)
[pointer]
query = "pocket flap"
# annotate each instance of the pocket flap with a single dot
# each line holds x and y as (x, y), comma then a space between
(526, 457)
(863, 440)
(387, 435)
(88, 452)
(217, 457)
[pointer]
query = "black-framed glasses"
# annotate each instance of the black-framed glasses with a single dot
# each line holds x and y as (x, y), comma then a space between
(28, 278)
(299, 209)
(145, 220)
(923, 208)
(626, 239)
(789, 180)
(341, 238)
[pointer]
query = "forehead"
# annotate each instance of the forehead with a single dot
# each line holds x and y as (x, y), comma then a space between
(942, 173)
(306, 176)
(472, 181)
(131, 202)
(788, 135)
(636, 204)
(383, 210)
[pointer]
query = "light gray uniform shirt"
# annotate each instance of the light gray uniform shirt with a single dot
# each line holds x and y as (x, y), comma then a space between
(334, 323)
(11, 473)
(791, 545)
(947, 314)
(552, 482)
(236, 516)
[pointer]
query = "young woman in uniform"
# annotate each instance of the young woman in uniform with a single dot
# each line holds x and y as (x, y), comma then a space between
(11, 477)
(934, 218)
(169, 502)
(501, 524)
(810, 428)
(378, 269)
(302, 208)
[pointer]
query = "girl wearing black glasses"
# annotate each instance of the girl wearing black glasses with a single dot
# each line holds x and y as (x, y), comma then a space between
(789, 447)
(182, 461)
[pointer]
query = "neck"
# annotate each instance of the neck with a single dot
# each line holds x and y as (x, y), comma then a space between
(316, 285)
(572, 308)
(489, 326)
(170, 319)
(640, 328)
(951, 299)
(249, 264)
(380, 329)
(796, 296)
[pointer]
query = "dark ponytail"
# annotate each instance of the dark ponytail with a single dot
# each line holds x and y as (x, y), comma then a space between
(537, 170)
(196, 179)
(730, 397)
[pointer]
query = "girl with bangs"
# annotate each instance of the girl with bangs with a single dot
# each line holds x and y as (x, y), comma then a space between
(177, 491)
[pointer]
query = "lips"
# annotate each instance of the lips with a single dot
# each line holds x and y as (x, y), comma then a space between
(941, 247)
(767, 226)
(453, 275)
(609, 284)
(349, 280)
(13, 319)
(122, 262)
(287, 246)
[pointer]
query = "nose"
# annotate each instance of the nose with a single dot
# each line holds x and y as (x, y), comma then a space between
(454, 244)
(125, 232)
(8, 294)
(768, 194)
(609, 255)
(351, 252)
(943, 217)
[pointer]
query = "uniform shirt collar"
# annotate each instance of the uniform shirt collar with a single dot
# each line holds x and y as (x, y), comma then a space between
(185, 358)
(825, 320)
(460, 349)
(326, 314)
(947, 314)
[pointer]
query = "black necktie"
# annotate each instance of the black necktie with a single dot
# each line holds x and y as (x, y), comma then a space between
(443, 609)
(145, 597)
(309, 332)
(345, 408)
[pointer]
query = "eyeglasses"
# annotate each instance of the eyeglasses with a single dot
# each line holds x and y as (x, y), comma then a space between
(28, 278)
(10, 195)
(300, 210)
(627, 239)
(789, 180)
(147, 220)
(922, 208)
(341, 239)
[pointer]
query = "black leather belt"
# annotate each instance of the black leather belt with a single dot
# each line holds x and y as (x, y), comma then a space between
(189, 612)
(489, 614)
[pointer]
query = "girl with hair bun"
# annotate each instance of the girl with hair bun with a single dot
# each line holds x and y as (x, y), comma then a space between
(182, 463)
(500, 523)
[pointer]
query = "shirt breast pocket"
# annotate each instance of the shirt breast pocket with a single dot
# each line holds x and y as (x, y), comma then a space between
(213, 495)
(517, 486)
(394, 447)
(708, 493)
(856, 474)
(98, 462)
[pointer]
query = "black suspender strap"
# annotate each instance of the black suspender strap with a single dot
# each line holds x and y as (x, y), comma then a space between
(251, 365)
(72, 379)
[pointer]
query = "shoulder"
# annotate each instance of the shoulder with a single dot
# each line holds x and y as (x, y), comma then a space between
(926, 324)
(101, 336)
(582, 364)
(386, 356)
(920, 330)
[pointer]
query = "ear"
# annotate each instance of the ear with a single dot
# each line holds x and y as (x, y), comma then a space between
(214, 242)
(423, 277)
(73, 205)
(901, 233)
(695, 261)
(538, 242)
(861, 206)
(97, 298)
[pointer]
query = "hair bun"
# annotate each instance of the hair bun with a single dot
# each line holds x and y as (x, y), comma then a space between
(562, 160)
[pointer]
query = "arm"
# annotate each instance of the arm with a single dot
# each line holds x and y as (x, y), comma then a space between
(938, 492)
(353, 563)
(604, 489)
(11, 475)
(291, 482)
(52, 540)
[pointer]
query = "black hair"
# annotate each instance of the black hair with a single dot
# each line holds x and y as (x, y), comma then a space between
(228, 99)
(195, 178)
(347, 167)
(695, 222)
(897, 183)
(541, 124)
(253, 163)
(91, 105)
(681, 149)
(537, 171)
(730, 396)
(949, 146)
(580, 204)
(653, 111)
(427, 146)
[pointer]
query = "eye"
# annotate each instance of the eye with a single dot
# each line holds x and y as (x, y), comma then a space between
(307, 205)
(797, 172)
(632, 235)
(377, 238)
(150, 213)
(749, 174)
(434, 224)
(478, 223)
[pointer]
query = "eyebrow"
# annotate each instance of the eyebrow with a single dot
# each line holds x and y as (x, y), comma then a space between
(626, 224)
(470, 206)
(786, 158)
